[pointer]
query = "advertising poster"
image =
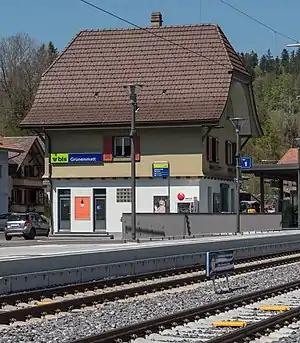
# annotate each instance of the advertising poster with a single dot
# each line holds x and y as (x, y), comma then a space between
(82, 208)
(160, 204)
(219, 263)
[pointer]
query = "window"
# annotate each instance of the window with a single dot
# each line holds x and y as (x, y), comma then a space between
(30, 196)
(212, 149)
(119, 147)
(12, 169)
(230, 151)
(40, 197)
(123, 195)
(224, 195)
(216, 203)
(14, 217)
(209, 200)
(64, 192)
(17, 197)
(122, 147)
(29, 171)
(232, 192)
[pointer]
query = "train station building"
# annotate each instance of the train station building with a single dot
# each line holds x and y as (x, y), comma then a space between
(192, 83)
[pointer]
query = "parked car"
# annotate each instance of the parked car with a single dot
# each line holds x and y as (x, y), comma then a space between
(3, 220)
(28, 225)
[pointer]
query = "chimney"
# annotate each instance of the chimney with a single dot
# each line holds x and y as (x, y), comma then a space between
(156, 19)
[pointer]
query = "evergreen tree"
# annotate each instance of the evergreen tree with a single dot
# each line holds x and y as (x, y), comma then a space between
(285, 61)
(52, 52)
(263, 63)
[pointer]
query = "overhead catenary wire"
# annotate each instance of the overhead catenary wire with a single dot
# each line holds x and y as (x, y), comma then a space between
(278, 33)
(151, 32)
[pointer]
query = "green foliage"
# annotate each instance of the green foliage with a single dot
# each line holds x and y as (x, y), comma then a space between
(276, 84)
(22, 63)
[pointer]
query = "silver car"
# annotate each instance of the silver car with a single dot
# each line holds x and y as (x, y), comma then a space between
(3, 220)
(27, 225)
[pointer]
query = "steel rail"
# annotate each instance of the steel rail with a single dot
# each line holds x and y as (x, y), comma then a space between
(130, 332)
(6, 317)
(240, 335)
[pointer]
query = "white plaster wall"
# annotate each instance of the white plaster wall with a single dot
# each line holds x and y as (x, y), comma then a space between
(146, 189)
(4, 182)
(215, 184)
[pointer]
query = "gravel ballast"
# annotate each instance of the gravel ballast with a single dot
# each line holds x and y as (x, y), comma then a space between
(124, 312)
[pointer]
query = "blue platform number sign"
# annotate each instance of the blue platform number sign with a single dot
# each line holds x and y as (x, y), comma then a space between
(219, 263)
(246, 162)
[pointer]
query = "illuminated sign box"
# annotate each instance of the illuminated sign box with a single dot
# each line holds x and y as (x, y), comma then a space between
(63, 158)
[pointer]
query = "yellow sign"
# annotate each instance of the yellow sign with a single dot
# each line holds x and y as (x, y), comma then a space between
(59, 158)
(161, 165)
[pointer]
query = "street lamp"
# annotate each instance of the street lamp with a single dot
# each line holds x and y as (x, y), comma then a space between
(294, 45)
(237, 124)
(135, 108)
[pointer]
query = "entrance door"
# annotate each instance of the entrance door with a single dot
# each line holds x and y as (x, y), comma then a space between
(64, 210)
(224, 193)
(99, 210)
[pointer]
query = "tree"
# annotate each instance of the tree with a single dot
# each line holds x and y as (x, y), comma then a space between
(52, 52)
(285, 61)
(22, 62)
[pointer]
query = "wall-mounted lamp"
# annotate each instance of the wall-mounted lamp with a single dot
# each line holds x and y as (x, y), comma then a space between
(81, 203)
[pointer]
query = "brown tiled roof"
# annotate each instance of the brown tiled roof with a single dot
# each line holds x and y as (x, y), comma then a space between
(291, 156)
(190, 82)
(9, 146)
(25, 143)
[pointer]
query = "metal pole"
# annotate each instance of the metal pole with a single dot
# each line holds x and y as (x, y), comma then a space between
(133, 170)
(298, 183)
(237, 169)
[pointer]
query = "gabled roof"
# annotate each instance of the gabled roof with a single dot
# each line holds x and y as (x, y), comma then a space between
(185, 77)
(291, 156)
(25, 142)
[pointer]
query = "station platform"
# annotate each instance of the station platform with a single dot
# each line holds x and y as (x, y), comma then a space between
(45, 265)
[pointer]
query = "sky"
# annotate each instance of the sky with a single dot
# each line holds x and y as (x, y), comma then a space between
(60, 20)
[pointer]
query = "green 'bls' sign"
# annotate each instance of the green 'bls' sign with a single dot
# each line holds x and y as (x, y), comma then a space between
(59, 158)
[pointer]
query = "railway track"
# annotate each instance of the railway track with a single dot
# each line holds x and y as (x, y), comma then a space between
(51, 301)
(257, 313)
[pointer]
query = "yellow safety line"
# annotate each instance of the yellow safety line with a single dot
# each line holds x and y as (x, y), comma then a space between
(274, 308)
(230, 323)
(41, 303)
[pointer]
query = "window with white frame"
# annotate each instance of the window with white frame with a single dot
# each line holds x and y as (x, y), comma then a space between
(122, 147)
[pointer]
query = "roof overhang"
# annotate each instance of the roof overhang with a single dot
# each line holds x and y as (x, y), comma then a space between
(286, 172)
(11, 149)
(139, 125)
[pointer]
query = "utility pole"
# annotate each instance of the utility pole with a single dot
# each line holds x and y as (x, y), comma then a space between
(237, 123)
(298, 182)
(133, 100)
